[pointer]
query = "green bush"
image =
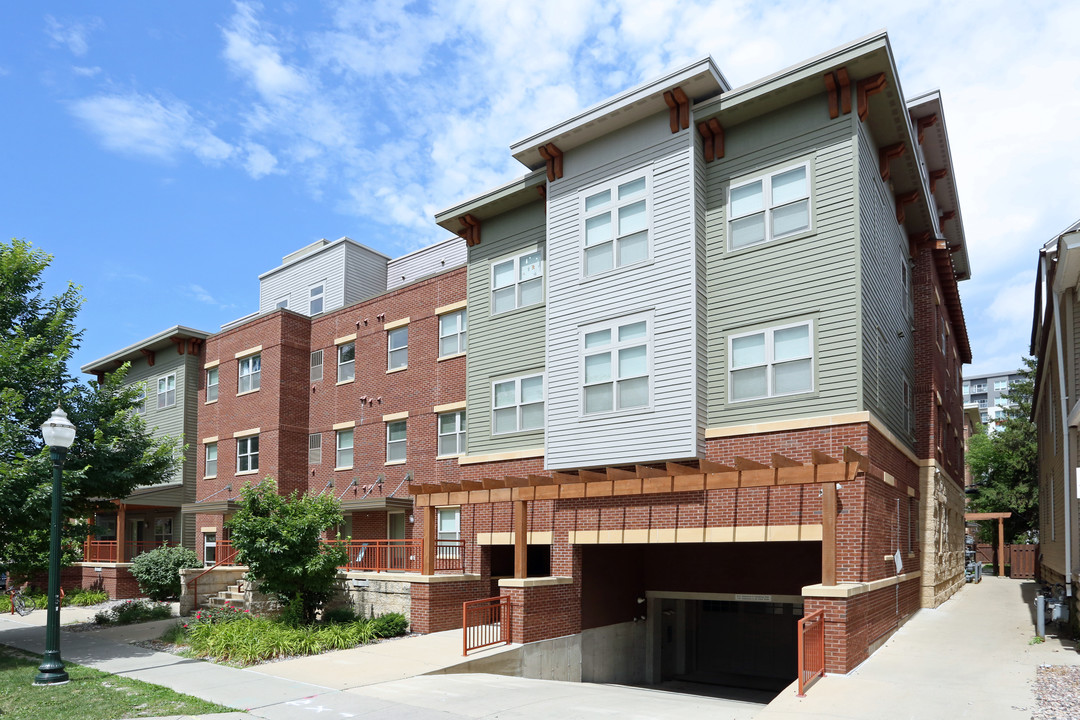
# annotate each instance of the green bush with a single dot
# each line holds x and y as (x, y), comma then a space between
(84, 598)
(390, 625)
(344, 614)
(158, 571)
(257, 639)
(220, 614)
(133, 611)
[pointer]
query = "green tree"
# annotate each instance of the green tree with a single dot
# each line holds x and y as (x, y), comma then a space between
(1004, 465)
(280, 540)
(112, 453)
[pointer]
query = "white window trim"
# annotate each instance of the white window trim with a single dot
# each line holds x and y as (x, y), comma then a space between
(321, 296)
(613, 325)
(338, 435)
(516, 258)
(405, 347)
(351, 364)
(247, 440)
(404, 442)
(769, 362)
(206, 460)
(460, 434)
(766, 190)
(140, 397)
(461, 333)
(282, 303)
(439, 512)
(167, 404)
(613, 206)
(240, 375)
(518, 404)
(216, 385)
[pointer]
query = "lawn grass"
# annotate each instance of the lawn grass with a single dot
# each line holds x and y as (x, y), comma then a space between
(91, 694)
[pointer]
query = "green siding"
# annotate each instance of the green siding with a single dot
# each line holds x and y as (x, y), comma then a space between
(505, 345)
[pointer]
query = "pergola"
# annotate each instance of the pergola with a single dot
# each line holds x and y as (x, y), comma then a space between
(1000, 517)
(646, 479)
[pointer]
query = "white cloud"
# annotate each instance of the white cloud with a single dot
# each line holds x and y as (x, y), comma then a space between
(85, 71)
(253, 56)
(259, 162)
(73, 35)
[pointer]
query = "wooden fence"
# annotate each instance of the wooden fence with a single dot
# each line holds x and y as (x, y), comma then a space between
(1021, 559)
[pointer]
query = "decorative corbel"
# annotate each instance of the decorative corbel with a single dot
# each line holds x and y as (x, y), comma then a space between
(553, 157)
(845, 90)
(100, 375)
(149, 355)
(936, 175)
(916, 242)
(902, 200)
(925, 122)
(678, 109)
(947, 215)
(194, 346)
(886, 154)
(470, 229)
(838, 87)
(712, 135)
(181, 344)
(865, 88)
(542, 190)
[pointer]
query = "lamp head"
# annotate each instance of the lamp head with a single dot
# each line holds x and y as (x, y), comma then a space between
(58, 430)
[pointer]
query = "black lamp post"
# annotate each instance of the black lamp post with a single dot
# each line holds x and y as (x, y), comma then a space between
(59, 434)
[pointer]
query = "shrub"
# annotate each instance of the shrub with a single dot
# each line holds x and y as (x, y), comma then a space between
(257, 639)
(158, 571)
(220, 614)
(344, 614)
(133, 611)
(389, 625)
(84, 598)
(40, 599)
(175, 635)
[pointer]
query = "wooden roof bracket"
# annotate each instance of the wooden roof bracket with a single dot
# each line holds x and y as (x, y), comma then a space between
(712, 133)
(916, 242)
(553, 156)
(838, 88)
(542, 190)
(470, 229)
(902, 200)
(936, 175)
(194, 346)
(181, 344)
(864, 89)
(947, 215)
(885, 155)
(149, 355)
(925, 122)
(678, 109)
(845, 90)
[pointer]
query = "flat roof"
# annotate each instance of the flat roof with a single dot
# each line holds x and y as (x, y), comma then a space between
(294, 258)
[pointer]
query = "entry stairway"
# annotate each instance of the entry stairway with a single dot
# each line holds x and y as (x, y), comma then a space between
(232, 596)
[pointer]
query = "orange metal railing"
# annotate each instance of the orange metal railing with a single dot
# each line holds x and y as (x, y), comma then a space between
(485, 623)
(811, 649)
(400, 555)
(106, 550)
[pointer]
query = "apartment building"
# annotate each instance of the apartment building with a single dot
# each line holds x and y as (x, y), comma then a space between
(987, 393)
(166, 367)
(1055, 343)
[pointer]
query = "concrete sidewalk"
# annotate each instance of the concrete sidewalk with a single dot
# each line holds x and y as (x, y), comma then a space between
(969, 658)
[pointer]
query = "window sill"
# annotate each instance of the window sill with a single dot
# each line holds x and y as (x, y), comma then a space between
(774, 398)
(523, 308)
(629, 412)
(640, 264)
(247, 472)
(394, 370)
(772, 241)
(343, 467)
(511, 433)
(210, 402)
(247, 392)
(395, 462)
(209, 477)
(450, 357)
(453, 456)
(345, 382)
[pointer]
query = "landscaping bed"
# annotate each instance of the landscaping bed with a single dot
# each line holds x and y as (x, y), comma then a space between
(77, 597)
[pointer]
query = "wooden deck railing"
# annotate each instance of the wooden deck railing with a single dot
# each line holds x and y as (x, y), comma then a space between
(400, 555)
(106, 550)
(811, 649)
(485, 623)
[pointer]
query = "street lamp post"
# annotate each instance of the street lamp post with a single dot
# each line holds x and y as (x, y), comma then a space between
(59, 434)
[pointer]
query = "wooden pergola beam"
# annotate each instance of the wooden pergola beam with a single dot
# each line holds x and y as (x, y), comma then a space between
(779, 461)
(742, 463)
(817, 457)
(714, 467)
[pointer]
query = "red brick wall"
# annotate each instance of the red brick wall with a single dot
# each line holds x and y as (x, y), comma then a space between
(544, 612)
(117, 581)
(437, 606)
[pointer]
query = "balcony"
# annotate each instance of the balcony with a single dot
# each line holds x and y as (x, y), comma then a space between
(403, 556)
(107, 551)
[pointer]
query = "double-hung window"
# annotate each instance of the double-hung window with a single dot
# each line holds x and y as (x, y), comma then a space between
(344, 448)
(166, 391)
(616, 220)
(316, 366)
(247, 453)
(518, 404)
(771, 362)
(769, 208)
(517, 282)
(452, 332)
(449, 523)
(615, 365)
(452, 433)
(346, 362)
(140, 399)
(397, 348)
(315, 299)
(211, 460)
(395, 441)
(211, 384)
(314, 449)
(250, 369)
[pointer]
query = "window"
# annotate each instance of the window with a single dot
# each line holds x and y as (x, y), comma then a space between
(344, 448)
(315, 300)
(449, 523)
(966, 389)
(162, 530)
(316, 366)
(282, 303)
(250, 370)
(517, 282)
(944, 330)
(907, 406)
(397, 348)
(247, 454)
(769, 208)
(1001, 385)
(1001, 402)
(616, 225)
(166, 391)
(980, 388)
(982, 403)
(518, 404)
(211, 384)
(984, 417)
(777, 361)
(314, 449)
(452, 333)
(615, 366)
(140, 399)
(452, 433)
(211, 460)
(346, 362)
(395, 441)
(209, 549)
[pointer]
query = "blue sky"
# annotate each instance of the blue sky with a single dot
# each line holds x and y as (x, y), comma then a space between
(168, 153)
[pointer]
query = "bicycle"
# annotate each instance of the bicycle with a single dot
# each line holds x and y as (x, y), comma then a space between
(19, 604)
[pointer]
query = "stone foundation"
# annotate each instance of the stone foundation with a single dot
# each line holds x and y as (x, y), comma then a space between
(217, 580)
(371, 594)
(942, 523)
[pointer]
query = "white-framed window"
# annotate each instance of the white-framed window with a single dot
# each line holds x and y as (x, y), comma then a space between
(247, 453)
(769, 207)
(315, 299)
(250, 370)
(517, 282)
(211, 384)
(771, 362)
(452, 330)
(982, 403)
(211, 460)
(314, 449)
(166, 391)
(140, 399)
(616, 221)
(517, 404)
(395, 440)
(209, 549)
(449, 523)
(282, 303)
(1001, 385)
(316, 366)
(984, 417)
(162, 530)
(1001, 402)
(966, 389)
(346, 362)
(397, 348)
(616, 365)
(452, 433)
(344, 448)
(980, 388)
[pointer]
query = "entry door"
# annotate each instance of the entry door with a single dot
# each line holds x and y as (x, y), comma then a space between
(395, 526)
(135, 538)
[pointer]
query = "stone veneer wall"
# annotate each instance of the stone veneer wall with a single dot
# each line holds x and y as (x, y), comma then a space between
(213, 582)
(942, 510)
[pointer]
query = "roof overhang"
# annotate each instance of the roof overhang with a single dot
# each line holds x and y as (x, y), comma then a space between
(316, 249)
(490, 203)
(211, 507)
(699, 80)
(1067, 270)
(381, 503)
(163, 340)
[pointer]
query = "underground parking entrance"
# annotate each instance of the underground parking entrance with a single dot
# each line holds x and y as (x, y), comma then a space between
(717, 619)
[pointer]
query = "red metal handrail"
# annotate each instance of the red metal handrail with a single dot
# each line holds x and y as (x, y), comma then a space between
(811, 649)
(106, 550)
(485, 623)
(400, 555)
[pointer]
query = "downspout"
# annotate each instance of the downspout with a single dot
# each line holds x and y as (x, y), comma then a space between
(1066, 446)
